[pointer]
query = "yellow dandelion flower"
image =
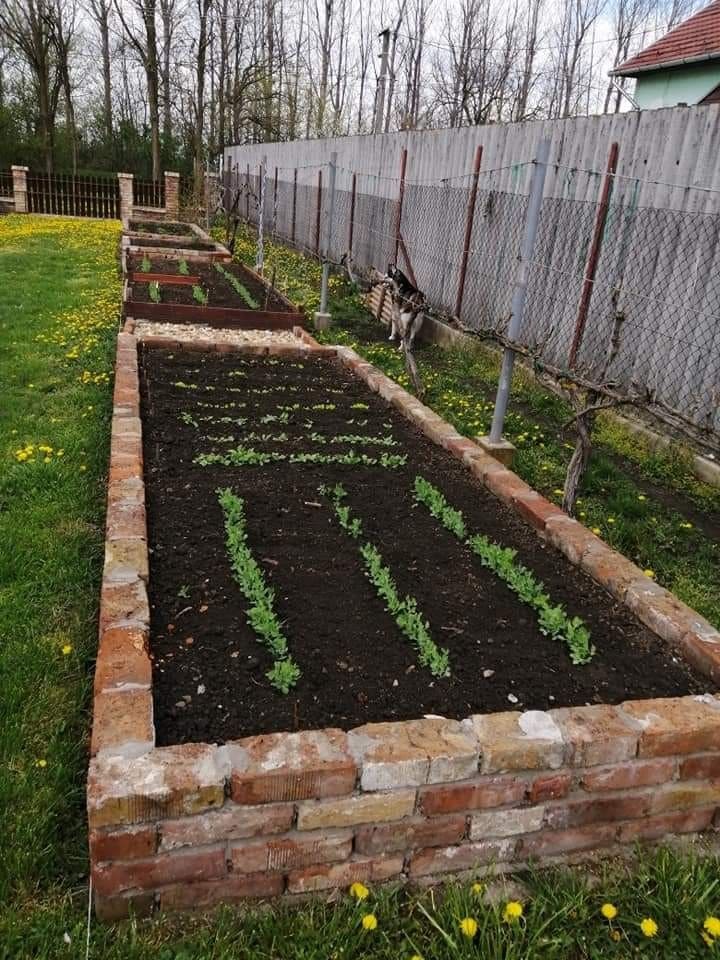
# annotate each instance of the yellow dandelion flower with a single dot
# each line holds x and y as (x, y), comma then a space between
(649, 927)
(468, 927)
(41, 763)
(649, 573)
(369, 921)
(513, 911)
(66, 649)
(478, 889)
(597, 531)
(641, 497)
(611, 519)
(359, 891)
(609, 911)
(712, 925)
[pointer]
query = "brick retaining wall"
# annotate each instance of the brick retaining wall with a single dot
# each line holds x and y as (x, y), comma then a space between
(193, 825)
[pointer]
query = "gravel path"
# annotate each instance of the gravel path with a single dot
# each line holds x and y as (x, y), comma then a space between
(144, 328)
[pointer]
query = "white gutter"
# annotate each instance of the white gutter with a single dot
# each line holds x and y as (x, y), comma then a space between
(664, 64)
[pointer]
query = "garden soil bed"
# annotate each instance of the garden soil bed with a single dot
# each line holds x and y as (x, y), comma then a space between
(218, 288)
(185, 242)
(209, 670)
(172, 228)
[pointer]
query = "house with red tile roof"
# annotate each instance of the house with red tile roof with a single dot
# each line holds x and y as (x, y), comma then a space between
(681, 67)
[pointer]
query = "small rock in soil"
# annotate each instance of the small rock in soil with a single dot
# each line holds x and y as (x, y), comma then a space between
(488, 673)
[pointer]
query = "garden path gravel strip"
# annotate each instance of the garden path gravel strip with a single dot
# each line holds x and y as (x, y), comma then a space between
(209, 680)
(192, 332)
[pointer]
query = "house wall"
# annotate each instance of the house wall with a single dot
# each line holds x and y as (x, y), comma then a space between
(667, 88)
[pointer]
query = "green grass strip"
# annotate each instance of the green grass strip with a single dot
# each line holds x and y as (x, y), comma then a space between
(248, 456)
(552, 619)
(240, 288)
(261, 616)
(404, 610)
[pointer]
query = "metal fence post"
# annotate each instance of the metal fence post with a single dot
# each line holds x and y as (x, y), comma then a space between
(520, 292)
(352, 214)
(294, 207)
(260, 263)
(593, 254)
(275, 198)
(247, 195)
(468, 230)
(401, 197)
(322, 317)
(317, 215)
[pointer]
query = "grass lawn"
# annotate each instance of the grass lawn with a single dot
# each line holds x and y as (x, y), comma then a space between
(58, 316)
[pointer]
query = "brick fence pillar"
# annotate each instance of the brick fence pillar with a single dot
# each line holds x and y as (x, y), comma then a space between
(126, 197)
(172, 195)
(19, 175)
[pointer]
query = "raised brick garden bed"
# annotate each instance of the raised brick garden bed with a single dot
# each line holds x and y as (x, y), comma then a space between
(192, 243)
(189, 825)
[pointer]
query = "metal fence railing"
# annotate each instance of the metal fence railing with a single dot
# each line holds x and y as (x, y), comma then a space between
(621, 295)
(148, 193)
(6, 183)
(73, 196)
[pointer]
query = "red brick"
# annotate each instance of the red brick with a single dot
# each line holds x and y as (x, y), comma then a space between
(121, 468)
(468, 856)
(703, 653)
(113, 878)
(610, 569)
(638, 773)
(653, 828)
(130, 490)
(123, 660)
(596, 735)
(475, 795)
(519, 741)
(410, 834)
(123, 723)
(123, 604)
(126, 521)
(290, 853)
(570, 537)
(205, 894)
(126, 560)
(482, 465)
(548, 843)
(232, 822)
(112, 909)
(291, 766)
(381, 806)
(166, 783)
(576, 813)
(676, 725)
(327, 876)
(549, 787)
(536, 510)
(704, 767)
(462, 446)
(684, 795)
(133, 843)
(506, 485)
(121, 446)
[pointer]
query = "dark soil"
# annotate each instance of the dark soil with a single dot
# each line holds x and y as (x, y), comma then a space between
(180, 243)
(209, 670)
(171, 227)
(220, 291)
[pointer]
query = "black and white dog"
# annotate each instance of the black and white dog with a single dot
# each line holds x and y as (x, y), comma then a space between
(408, 305)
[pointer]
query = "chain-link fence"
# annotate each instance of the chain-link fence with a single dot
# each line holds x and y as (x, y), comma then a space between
(619, 295)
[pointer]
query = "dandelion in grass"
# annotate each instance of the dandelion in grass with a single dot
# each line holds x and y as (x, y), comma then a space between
(478, 889)
(712, 926)
(66, 649)
(609, 911)
(468, 927)
(649, 573)
(513, 911)
(597, 531)
(369, 921)
(42, 763)
(649, 927)
(359, 891)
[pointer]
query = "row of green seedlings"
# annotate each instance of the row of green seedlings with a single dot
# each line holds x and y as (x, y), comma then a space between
(240, 289)
(404, 610)
(261, 615)
(553, 621)
(199, 295)
(242, 456)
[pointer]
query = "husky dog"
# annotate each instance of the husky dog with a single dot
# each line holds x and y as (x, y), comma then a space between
(408, 305)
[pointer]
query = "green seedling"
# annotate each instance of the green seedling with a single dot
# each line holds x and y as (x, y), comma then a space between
(154, 291)
(199, 295)
(183, 268)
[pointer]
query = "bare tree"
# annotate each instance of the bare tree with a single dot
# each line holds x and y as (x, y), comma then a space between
(145, 45)
(99, 11)
(27, 26)
(62, 21)
(203, 9)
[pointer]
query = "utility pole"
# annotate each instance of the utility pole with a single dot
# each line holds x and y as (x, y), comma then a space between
(382, 80)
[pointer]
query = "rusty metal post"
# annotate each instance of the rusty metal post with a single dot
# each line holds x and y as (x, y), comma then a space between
(401, 197)
(317, 218)
(294, 207)
(352, 213)
(247, 195)
(593, 255)
(468, 230)
(274, 213)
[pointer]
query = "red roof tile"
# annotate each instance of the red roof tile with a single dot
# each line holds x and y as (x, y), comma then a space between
(693, 39)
